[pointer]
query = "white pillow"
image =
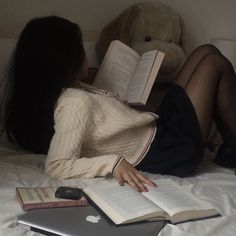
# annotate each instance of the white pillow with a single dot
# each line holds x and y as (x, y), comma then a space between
(89, 47)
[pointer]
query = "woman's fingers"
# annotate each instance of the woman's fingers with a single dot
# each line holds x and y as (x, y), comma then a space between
(125, 172)
(139, 183)
(146, 180)
(132, 182)
(121, 181)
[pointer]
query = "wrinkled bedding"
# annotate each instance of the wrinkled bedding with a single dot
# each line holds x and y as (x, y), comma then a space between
(211, 183)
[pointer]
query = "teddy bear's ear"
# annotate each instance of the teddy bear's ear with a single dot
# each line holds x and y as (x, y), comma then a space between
(120, 28)
(127, 21)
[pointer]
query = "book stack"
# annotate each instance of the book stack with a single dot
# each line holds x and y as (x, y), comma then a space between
(44, 197)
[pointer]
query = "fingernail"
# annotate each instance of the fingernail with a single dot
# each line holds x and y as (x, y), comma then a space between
(154, 184)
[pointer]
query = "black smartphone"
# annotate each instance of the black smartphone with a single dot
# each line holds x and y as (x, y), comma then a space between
(68, 193)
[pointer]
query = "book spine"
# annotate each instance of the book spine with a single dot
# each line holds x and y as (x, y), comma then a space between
(44, 202)
(31, 206)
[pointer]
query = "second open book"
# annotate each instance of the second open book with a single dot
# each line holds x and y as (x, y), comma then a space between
(126, 73)
(168, 201)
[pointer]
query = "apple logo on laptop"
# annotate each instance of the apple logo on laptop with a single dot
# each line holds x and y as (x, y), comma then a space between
(93, 219)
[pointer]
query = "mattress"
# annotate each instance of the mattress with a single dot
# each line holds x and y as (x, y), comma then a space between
(212, 183)
(19, 168)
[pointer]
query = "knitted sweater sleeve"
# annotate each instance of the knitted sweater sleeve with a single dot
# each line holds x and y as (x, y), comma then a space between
(64, 160)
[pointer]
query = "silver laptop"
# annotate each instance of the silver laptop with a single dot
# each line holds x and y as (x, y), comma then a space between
(83, 221)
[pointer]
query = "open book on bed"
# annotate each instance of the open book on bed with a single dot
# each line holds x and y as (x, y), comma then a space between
(168, 201)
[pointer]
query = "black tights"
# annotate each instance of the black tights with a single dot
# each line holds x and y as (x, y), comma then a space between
(210, 82)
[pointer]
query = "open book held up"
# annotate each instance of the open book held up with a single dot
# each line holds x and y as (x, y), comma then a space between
(126, 73)
(168, 201)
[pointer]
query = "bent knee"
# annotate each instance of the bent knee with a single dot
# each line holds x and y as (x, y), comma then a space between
(217, 61)
(206, 49)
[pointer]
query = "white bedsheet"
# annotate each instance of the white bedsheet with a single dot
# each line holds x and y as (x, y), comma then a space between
(211, 183)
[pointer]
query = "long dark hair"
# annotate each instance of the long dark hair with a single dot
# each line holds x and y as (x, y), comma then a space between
(48, 57)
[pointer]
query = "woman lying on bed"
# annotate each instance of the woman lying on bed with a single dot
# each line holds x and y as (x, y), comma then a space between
(87, 132)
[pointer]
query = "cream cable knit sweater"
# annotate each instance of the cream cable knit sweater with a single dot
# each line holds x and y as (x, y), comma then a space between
(94, 131)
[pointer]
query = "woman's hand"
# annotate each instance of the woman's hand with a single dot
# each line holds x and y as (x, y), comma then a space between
(125, 172)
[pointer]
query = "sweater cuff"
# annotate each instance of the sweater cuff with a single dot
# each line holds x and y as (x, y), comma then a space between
(116, 164)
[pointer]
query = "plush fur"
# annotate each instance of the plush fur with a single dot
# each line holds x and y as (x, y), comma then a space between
(145, 26)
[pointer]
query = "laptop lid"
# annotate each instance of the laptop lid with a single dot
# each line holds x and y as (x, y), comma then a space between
(83, 221)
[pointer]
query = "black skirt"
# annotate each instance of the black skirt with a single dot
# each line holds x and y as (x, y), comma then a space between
(177, 148)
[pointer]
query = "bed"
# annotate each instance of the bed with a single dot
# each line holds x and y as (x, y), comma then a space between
(20, 168)
(211, 183)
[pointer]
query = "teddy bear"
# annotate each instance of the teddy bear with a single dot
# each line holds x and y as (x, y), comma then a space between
(146, 26)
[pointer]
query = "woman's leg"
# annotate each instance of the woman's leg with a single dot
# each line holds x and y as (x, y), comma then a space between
(209, 81)
(192, 62)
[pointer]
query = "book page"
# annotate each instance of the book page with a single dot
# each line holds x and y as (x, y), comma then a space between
(37, 194)
(141, 75)
(117, 69)
(122, 203)
(174, 198)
